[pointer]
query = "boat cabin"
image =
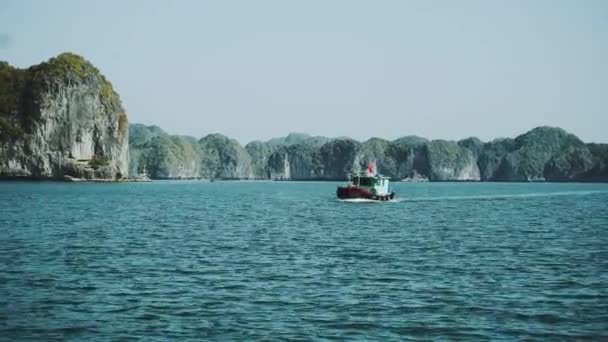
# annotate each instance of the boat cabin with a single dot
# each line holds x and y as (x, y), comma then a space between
(367, 185)
(375, 184)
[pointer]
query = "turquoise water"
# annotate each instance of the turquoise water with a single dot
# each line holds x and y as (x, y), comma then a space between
(283, 260)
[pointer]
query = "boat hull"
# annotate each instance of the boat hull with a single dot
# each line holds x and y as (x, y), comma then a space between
(345, 192)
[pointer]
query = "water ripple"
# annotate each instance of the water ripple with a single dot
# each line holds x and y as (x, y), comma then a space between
(280, 260)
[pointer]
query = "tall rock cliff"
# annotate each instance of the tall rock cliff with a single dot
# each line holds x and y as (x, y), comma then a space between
(224, 158)
(449, 161)
(262, 152)
(61, 118)
(544, 153)
(398, 159)
(599, 170)
(295, 162)
(375, 150)
(163, 156)
(338, 158)
(491, 157)
(259, 153)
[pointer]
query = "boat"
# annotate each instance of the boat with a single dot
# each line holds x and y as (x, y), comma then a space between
(142, 177)
(366, 185)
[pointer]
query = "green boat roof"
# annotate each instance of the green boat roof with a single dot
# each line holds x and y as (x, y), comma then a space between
(367, 175)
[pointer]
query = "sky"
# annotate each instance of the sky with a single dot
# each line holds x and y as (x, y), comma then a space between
(261, 69)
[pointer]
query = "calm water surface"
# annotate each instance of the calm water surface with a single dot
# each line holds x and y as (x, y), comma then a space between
(281, 260)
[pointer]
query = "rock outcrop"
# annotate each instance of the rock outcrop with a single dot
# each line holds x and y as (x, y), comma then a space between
(224, 158)
(259, 153)
(262, 152)
(295, 162)
(165, 156)
(338, 158)
(375, 150)
(492, 155)
(161, 155)
(61, 118)
(599, 170)
(449, 161)
(409, 157)
(544, 153)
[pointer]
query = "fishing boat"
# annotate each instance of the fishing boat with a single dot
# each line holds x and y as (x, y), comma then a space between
(366, 185)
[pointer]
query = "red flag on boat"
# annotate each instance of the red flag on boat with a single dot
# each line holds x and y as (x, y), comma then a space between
(370, 167)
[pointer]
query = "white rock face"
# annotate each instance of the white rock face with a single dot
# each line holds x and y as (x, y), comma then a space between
(469, 172)
(74, 127)
(283, 169)
(286, 168)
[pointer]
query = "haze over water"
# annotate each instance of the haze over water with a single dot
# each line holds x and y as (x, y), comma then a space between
(252, 260)
(438, 69)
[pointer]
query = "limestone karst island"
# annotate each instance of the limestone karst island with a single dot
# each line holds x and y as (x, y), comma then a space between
(303, 170)
(61, 119)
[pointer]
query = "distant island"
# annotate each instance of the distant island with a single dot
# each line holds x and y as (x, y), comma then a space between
(541, 154)
(62, 119)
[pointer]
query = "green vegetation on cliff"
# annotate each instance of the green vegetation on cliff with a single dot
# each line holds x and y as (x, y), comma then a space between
(375, 150)
(73, 69)
(532, 151)
(224, 158)
(411, 140)
(298, 138)
(98, 161)
(63, 117)
(472, 144)
(21, 90)
(296, 162)
(172, 157)
(542, 153)
(449, 161)
(12, 85)
(599, 156)
(568, 163)
(162, 155)
(338, 157)
(259, 153)
(58, 114)
(9, 131)
(491, 157)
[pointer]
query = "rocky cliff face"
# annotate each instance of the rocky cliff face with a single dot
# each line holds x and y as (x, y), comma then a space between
(491, 157)
(410, 159)
(543, 153)
(163, 156)
(224, 158)
(259, 153)
(61, 118)
(449, 161)
(375, 150)
(166, 156)
(599, 161)
(338, 158)
(295, 162)
(262, 152)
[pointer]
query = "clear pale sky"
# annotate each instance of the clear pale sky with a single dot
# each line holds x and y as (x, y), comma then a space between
(259, 69)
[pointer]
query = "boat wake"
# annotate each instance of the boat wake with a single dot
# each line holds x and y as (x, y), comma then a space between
(365, 200)
(506, 196)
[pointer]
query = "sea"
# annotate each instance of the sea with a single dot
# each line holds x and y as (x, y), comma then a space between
(236, 260)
